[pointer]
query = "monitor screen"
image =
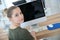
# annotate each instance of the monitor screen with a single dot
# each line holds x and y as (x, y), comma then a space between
(32, 10)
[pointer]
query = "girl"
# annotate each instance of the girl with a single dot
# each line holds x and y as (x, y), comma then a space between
(16, 32)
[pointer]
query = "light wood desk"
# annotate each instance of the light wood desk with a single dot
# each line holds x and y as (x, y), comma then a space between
(3, 34)
(50, 20)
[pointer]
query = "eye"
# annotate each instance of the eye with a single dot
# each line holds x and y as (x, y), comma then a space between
(16, 15)
(20, 12)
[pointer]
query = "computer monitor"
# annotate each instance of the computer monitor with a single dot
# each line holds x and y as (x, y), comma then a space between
(33, 12)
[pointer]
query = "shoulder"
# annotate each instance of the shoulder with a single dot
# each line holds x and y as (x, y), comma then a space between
(28, 34)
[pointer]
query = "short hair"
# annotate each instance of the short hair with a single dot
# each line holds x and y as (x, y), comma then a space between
(9, 11)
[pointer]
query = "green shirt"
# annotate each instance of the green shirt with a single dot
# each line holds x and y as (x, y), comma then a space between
(19, 34)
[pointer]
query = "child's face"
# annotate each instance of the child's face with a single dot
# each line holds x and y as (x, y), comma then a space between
(17, 16)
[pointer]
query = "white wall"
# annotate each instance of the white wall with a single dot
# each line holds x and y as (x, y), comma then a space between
(3, 20)
(2, 6)
(59, 4)
(52, 7)
(9, 3)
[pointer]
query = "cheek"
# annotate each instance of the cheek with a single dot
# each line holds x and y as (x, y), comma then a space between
(18, 19)
(14, 19)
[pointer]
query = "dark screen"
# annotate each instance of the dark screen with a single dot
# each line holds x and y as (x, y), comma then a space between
(32, 10)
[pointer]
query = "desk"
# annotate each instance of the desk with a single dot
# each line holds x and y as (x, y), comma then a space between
(50, 20)
(3, 34)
